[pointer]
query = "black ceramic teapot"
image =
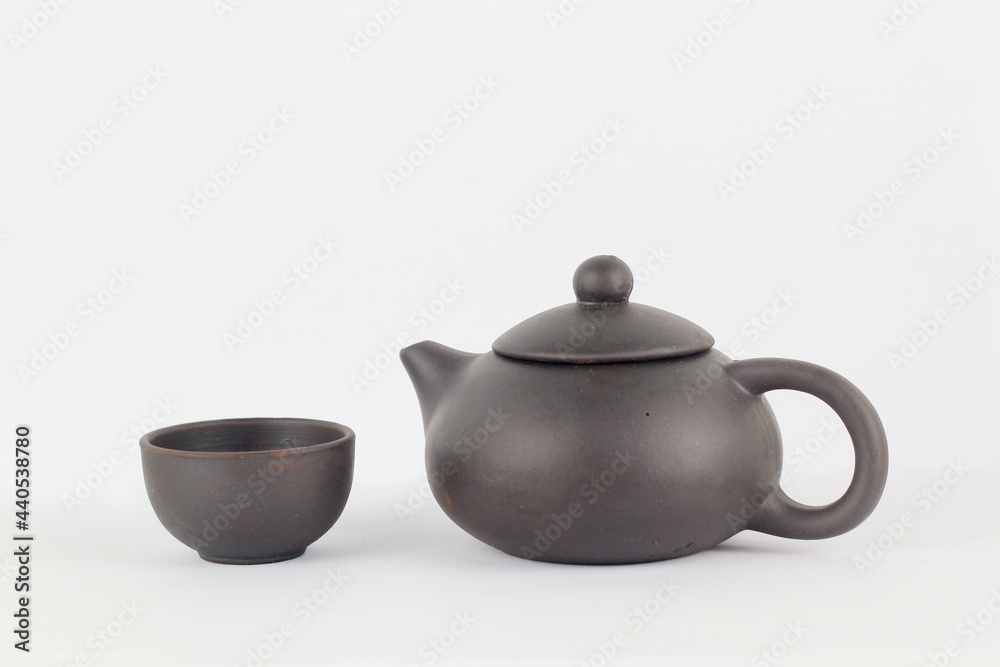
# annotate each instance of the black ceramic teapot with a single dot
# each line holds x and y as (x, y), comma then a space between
(605, 431)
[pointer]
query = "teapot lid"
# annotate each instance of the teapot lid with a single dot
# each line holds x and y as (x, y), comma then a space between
(602, 326)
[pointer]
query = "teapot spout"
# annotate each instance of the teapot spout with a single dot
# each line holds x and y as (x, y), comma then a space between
(433, 369)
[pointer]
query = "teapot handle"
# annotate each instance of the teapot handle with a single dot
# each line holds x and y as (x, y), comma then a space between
(780, 515)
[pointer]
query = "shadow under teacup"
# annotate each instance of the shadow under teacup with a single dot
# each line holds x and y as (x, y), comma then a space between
(248, 491)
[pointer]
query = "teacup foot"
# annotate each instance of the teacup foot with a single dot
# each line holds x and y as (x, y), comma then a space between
(252, 561)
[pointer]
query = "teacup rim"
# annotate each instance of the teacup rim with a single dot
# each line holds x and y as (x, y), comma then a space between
(145, 444)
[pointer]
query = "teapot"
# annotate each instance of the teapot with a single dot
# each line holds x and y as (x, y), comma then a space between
(605, 432)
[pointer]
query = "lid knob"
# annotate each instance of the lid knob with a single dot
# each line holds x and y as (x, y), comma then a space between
(602, 279)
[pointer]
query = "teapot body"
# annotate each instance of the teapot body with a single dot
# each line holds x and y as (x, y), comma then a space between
(601, 463)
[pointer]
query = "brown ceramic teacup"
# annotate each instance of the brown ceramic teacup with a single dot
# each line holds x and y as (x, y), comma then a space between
(247, 491)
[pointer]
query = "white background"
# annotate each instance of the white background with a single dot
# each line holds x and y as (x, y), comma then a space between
(652, 191)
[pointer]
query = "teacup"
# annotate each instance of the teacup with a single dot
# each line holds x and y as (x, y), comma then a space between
(248, 491)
